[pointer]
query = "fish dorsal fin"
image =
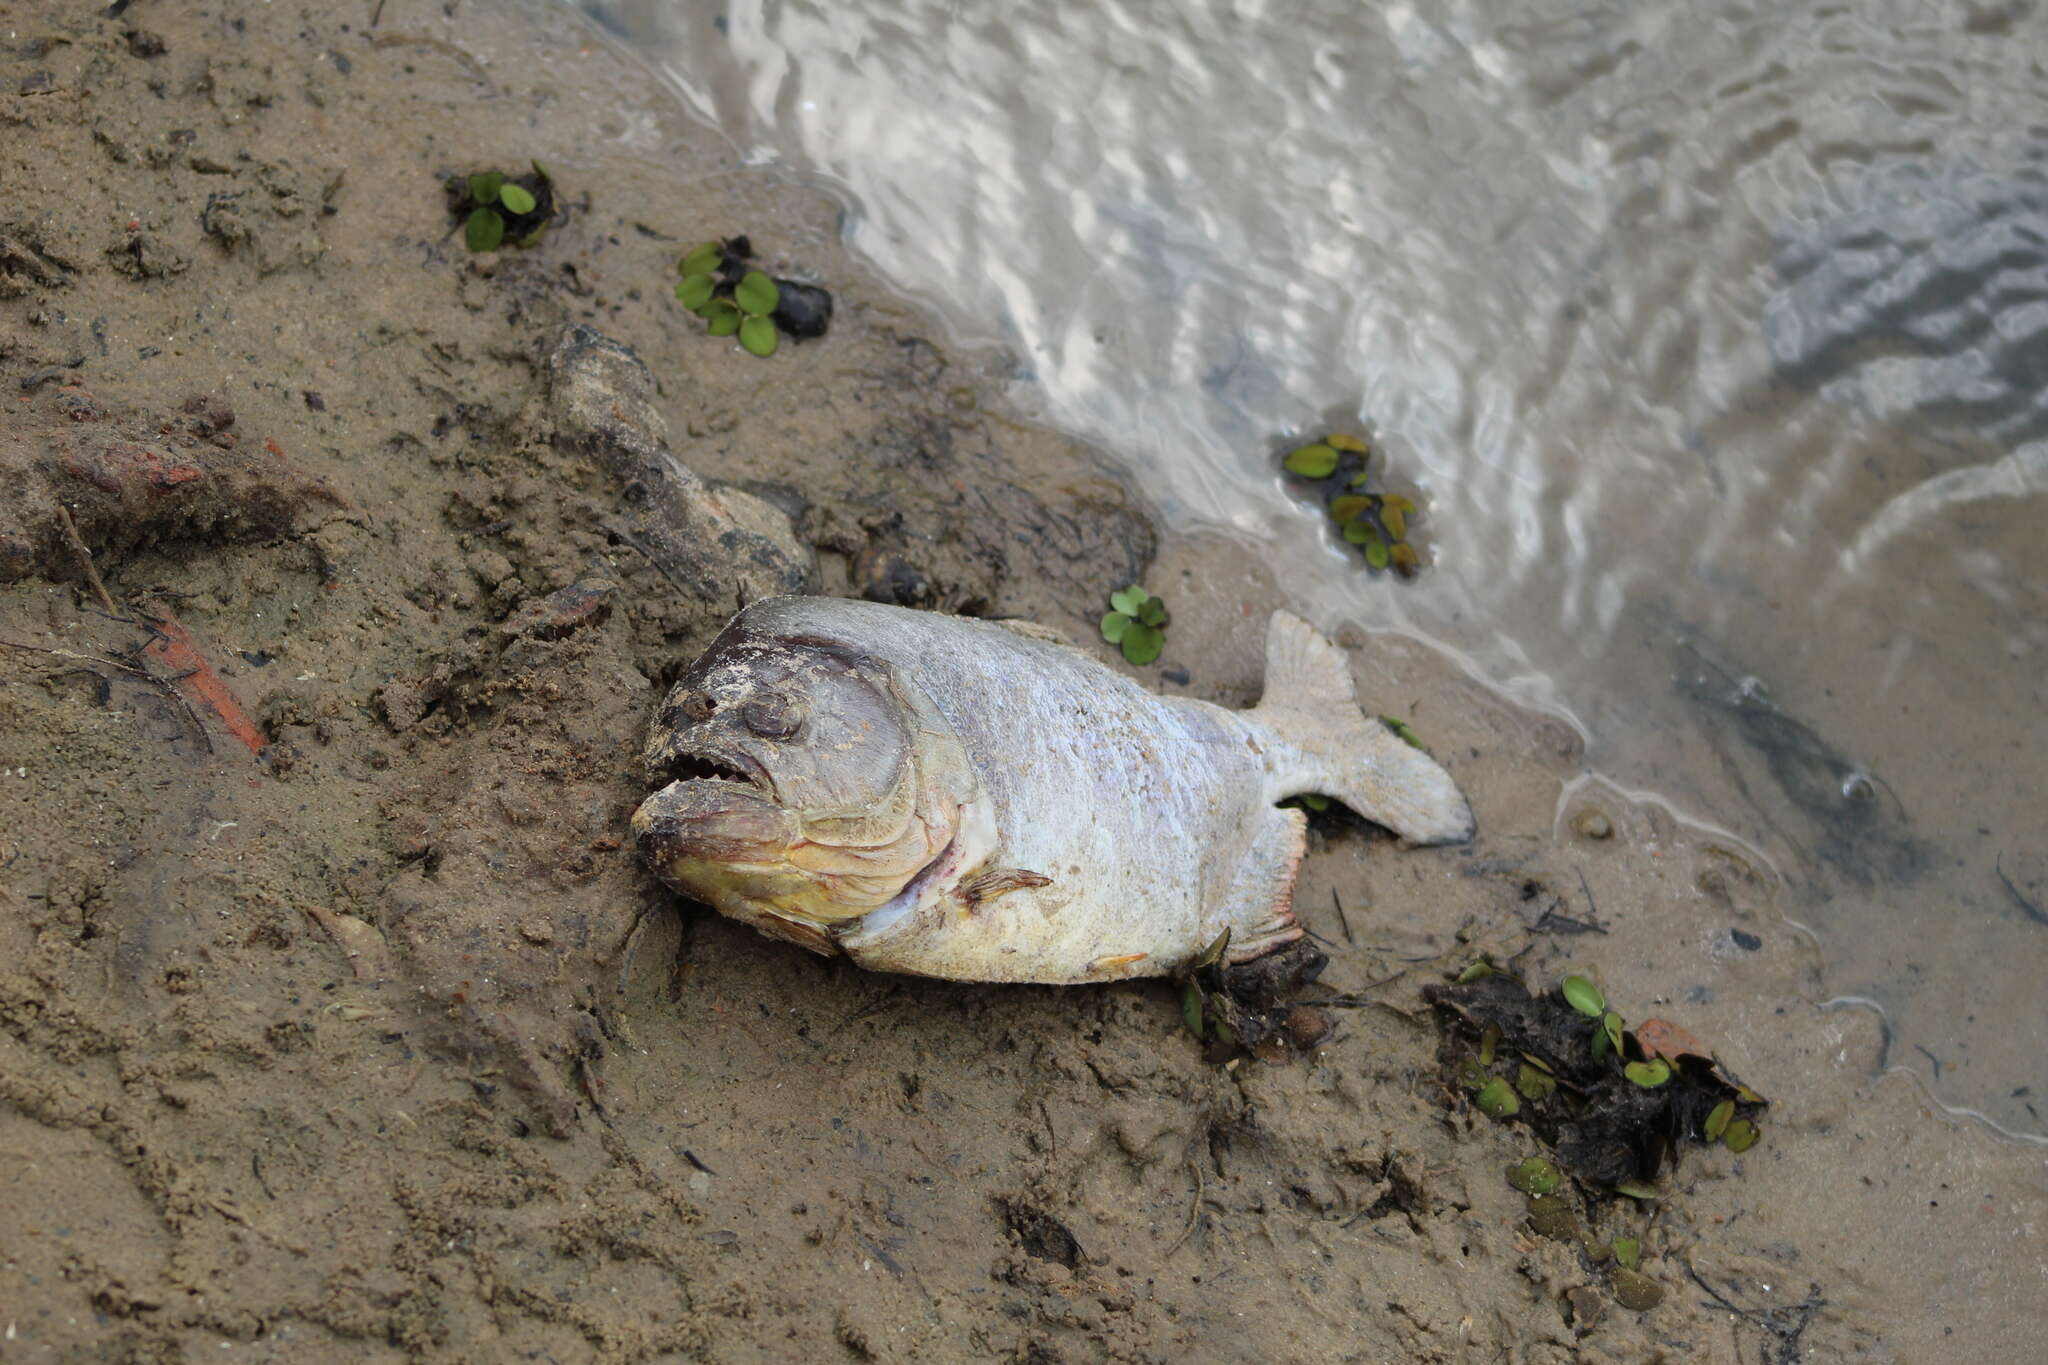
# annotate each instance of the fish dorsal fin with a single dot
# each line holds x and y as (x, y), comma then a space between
(1324, 745)
(1304, 671)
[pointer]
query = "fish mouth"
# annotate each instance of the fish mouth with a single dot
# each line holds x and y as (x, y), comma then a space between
(704, 765)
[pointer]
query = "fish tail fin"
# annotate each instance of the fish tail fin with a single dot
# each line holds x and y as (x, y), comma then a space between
(1327, 746)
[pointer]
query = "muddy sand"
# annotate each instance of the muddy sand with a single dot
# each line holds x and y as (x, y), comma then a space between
(338, 1023)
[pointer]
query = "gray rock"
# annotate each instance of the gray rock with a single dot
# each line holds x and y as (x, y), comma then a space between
(714, 543)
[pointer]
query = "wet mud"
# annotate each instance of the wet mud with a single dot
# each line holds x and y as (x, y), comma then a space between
(345, 570)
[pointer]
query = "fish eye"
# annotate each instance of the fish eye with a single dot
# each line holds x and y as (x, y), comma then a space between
(773, 716)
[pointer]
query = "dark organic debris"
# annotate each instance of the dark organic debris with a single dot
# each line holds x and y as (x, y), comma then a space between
(1242, 1010)
(1613, 1115)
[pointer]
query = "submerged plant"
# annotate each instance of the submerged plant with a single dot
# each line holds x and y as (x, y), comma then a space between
(496, 208)
(1377, 523)
(1137, 623)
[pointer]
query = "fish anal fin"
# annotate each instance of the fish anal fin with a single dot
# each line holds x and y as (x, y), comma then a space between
(985, 886)
(1260, 911)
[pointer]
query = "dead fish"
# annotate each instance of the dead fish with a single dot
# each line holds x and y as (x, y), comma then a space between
(982, 801)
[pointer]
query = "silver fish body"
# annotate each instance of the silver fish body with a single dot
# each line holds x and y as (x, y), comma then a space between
(979, 801)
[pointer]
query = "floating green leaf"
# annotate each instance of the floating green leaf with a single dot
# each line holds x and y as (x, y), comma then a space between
(695, 291)
(1583, 996)
(1129, 600)
(1475, 972)
(1535, 1176)
(1350, 507)
(1377, 554)
(1488, 1041)
(757, 334)
(484, 231)
(1359, 479)
(1532, 1084)
(1628, 1250)
(1364, 533)
(1142, 643)
(1610, 1024)
(1407, 561)
(1717, 1121)
(1345, 441)
(1497, 1099)
(1636, 1189)
(1314, 461)
(704, 260)
(1191, 1007)
(484, 186)
(1741, 1135)
(540, 170)
(517, 198)
(1153, 613)
(1649, 1075)
(1114, 625)
(1394, 521)
(757, 294)
(721, 318)
(1314, 801)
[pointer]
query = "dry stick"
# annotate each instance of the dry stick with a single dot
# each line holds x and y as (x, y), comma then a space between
(78, 548)
(1342, 918)
(1194, 1211)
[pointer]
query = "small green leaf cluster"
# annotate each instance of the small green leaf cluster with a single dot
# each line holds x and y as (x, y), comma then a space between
(1377, 523)
(732, 300)
(496, 208)
(1651, 1070)
(1137, 623)
(1505, 1076)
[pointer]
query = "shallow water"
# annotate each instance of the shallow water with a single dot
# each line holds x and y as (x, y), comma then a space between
(1714, 337)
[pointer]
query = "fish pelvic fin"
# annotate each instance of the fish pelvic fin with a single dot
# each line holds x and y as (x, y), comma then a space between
(1327, 746)
(1260, 912)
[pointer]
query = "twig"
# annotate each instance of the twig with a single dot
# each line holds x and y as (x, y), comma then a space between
(78, 548)
(133, 669)
(1342, 918)
(2027, 907)
(1194, 1211)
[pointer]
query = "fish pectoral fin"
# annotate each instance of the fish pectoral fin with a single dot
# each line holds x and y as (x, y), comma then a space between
(988, 885)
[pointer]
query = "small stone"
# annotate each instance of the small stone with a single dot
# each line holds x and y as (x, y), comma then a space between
(1593, 824)
(1307, 1027)
(1583, 1307)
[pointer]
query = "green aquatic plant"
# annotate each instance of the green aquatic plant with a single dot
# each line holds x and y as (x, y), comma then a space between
(1136, 623)
(496, 208)
(1583, 996)
(1375, 522)
(732, 299)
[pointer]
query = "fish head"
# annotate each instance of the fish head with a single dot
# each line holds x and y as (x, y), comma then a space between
(791, 783)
